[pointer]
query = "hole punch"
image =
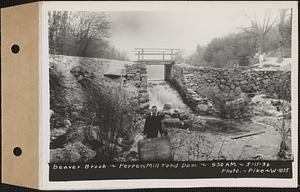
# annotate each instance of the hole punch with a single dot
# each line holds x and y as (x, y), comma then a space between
(17, 151)
(15, 49)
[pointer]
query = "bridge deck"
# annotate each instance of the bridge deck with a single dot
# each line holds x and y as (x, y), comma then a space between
(166, 55)
(157, 62)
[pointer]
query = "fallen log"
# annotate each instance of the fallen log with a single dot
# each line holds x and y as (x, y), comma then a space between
(248, 135)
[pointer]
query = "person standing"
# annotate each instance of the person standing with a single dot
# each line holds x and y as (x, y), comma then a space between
(153, 125)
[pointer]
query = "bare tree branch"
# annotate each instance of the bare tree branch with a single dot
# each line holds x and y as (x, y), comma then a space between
(260, 27)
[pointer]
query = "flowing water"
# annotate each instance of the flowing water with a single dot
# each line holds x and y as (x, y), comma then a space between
(161, 92)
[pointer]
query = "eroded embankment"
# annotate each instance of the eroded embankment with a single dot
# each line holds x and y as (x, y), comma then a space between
(95, 117)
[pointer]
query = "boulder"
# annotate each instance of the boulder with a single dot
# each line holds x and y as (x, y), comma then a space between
(173, 122)
(202, 108)
(263, 106)
(183, 116)
(238, 90)
(76, 152)
(258, 98)
(80, 78)
(187, 123)
(58, 132)
(175, 114)
(114, 71)
(167, 115)
(67, 123)
(167, 107)
(61, 156)
(244, 82)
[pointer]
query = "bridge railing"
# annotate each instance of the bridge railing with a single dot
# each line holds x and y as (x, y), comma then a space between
(162, 53)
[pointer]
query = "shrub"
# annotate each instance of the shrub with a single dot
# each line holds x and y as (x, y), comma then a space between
(283, 88)
(109, 110)
(230, 106)
(283, 91)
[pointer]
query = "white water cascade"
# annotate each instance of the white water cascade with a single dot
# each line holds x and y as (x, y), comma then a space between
(161, 92)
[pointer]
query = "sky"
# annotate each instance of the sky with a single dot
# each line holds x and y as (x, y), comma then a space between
(178, 29)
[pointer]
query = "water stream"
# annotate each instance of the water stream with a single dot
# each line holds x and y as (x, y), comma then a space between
(161, 92)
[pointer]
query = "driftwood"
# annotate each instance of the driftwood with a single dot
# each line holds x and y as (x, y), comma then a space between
(248, 135)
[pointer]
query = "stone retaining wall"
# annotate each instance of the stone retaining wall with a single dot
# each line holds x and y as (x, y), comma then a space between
(136, 75)
(194, 82)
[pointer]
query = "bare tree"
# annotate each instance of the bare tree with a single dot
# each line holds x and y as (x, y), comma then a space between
(260, 27)
(284, 29)
(89, 27)
(59, 27)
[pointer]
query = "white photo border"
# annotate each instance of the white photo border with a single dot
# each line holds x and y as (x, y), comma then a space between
(155, 183)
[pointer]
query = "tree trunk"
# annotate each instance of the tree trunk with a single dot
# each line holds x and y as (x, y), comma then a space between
(280, 40)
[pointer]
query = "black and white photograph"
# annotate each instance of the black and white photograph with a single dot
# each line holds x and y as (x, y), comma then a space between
(171, 86)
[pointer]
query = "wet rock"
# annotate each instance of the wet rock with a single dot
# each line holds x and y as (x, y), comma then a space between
(173, 122)
(161, 115)
(183, 116)
(166, 115)
(167, 107)
(175, 114)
